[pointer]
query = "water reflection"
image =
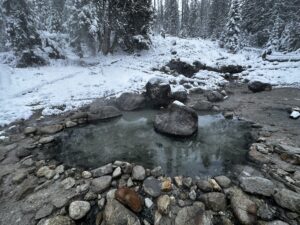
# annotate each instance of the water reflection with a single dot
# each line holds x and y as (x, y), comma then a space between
(218, 146)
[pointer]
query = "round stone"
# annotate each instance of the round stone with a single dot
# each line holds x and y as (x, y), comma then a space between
(79, 209)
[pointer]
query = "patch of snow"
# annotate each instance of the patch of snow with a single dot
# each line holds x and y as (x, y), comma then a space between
(178, 103)
(295, 115)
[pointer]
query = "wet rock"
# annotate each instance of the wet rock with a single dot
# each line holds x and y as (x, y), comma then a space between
(45, 211)
(214, 200)
(193, 215)
(257, 185)
(79, 209)
(103, 113)
(90, 196)
(152, 187)
(58, 220)
(291, 150)
(51, 129)
(46, 140)
(288, 199)
(258, 86)
(116, 214)
(193, 195)
(178, 181)
(104, 170)
(179, 120)
(101, 203)
(158, 92)
(257, 156)
(138, 173)
(187, 182)
(243, 208)
(163, 204)
(68, 183)
(215, 185)
(223, 181)
(30, 130)
(204, 185)
(228, 115)
(131, 101)
(129, 198)
(101, 184)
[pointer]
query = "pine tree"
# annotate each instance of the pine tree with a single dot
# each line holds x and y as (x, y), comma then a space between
(185, 17)
(231, 37)
(171, 22)
(194, 19)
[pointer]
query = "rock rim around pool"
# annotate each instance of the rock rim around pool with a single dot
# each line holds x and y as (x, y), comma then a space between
(179, 120)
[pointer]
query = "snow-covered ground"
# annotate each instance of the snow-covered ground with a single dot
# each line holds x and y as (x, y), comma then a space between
(71, 85)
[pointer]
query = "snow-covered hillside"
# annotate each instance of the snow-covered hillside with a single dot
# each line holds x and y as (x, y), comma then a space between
(72, 83)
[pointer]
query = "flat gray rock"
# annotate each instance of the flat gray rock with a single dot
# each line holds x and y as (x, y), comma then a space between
(257, 185)
(101, 184)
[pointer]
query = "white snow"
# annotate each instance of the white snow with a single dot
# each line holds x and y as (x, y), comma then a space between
(295, 115)
(178, 103)
(67, 85)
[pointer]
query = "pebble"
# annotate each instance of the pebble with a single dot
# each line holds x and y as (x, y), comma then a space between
(148, 203)
(79, 209)
(86, 174)
(138, 173)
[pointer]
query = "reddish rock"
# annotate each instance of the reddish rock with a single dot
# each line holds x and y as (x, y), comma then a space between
(129, 198)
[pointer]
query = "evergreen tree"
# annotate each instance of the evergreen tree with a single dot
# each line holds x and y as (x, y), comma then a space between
(171, 20)
(231, 36)
(185, 17)
(194, 19)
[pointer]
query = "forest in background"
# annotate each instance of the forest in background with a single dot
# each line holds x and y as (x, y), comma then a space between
(39, 30)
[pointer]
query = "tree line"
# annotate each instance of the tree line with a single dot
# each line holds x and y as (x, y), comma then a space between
(39, 29)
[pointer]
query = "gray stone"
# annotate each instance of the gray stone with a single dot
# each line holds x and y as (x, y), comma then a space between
(117, 172)
(257, 185)
(152, 187)
(266, 212)
(19, 177)
(51, 129)
(58, 220)
(288, 199)
(103, 113)
(101, 203)
(178, 120)
(116, 214)
(157, 171)
(59, 202)
(187, 182)
(214, 200)
(68, 183)
(276, 222)
(243, 208)
(193, 215)
(138, 173)
(131, 101)
(193, 195)
(158, 92)
(283, 148)
(204, 185)
(86, 175)
(30, 130)
(46, 140)
(45, 211)
(45, 171)
(22, 152)
(223, 181)
(60, 169)
(164, 204)
(104, 170)
(70, 124)
(180, 95)
(101, 184)
(148, 202)
(258, 86)
(214, 96)
(79, 209)
(201, 105)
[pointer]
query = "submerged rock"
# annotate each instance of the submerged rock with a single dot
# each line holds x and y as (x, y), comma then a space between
(258, 86)
(179, 120)
(129, 198)
(131, 101)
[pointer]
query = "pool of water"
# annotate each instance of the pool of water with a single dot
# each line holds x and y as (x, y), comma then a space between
(218, 146)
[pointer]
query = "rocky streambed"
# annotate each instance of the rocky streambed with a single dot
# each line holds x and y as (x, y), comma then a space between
(37, 188)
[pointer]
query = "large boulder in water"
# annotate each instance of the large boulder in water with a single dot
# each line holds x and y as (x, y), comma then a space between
(131, 101)
(158, 92)
(258, 86)
(178, 120)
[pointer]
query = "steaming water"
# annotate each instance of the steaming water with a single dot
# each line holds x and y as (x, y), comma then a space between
(219, 145)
